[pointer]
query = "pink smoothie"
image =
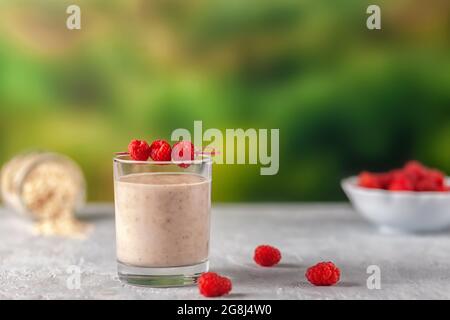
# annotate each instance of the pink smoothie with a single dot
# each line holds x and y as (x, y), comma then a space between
(162, 219)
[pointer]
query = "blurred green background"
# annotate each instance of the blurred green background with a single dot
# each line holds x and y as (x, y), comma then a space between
(344, 98)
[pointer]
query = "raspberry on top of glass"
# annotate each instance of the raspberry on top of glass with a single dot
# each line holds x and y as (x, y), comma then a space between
(414, 176)
(161, 150)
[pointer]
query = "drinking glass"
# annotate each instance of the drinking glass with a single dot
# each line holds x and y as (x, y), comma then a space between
(162, 216)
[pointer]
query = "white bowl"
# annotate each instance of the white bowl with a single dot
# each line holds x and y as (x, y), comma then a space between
(400, 211)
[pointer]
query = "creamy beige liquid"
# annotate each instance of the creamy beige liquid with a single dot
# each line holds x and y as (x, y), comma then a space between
(162, 219)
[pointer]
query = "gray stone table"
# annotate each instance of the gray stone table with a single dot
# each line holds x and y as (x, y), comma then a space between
(416, 267)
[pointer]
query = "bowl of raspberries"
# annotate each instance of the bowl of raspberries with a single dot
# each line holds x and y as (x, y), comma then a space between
(413, 198)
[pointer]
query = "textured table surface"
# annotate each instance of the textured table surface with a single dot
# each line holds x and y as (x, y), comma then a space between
(416, 267)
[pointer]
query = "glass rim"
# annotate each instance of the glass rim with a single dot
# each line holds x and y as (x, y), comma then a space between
(120, 158)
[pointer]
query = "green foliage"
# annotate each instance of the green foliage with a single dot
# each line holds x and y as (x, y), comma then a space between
(344, 98)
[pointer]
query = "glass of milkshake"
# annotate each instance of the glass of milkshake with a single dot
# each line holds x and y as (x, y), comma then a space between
(162, 212)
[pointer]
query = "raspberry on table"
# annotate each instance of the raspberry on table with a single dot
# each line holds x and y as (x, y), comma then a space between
(160, 150)
(211, 284)
(323, 274)
(183, 150)
(139, 150)
(267, 256)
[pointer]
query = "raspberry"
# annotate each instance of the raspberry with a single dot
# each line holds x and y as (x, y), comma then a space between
(267, 256)
(323, 274)
(139, 150)
(385, 179)
(369, 180)
(183, 150)
(437, 176)
(160, 150)
(401, 185)
(415, 169)
(427, 184)
(401, 182)
(414, 176)
(210, 284)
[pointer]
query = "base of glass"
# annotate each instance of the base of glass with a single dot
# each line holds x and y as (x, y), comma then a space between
(161, 276)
